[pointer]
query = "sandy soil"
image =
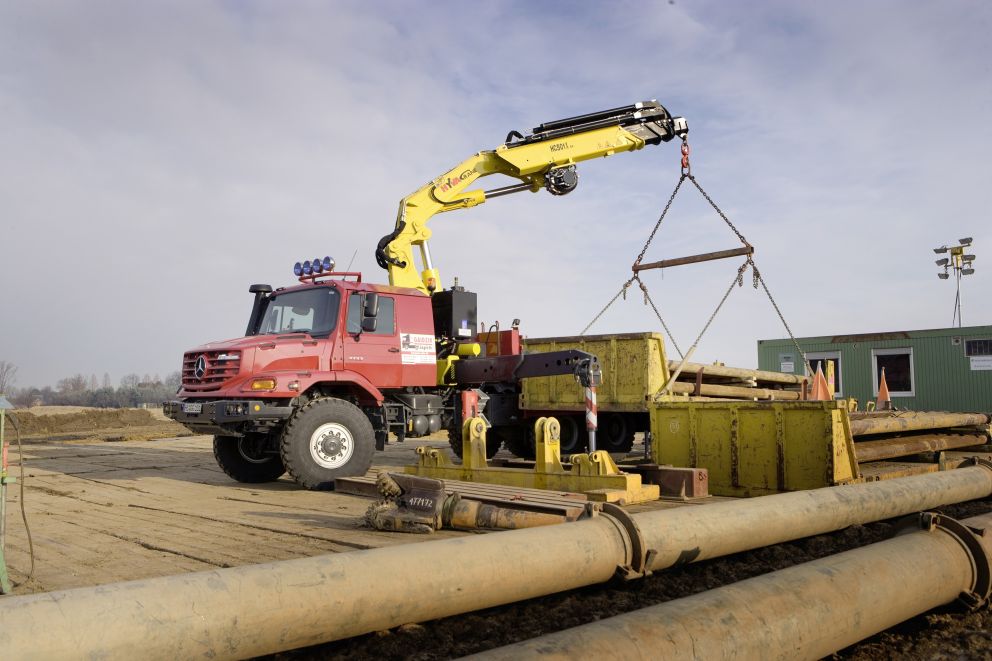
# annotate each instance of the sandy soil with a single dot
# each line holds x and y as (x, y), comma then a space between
(103, 512)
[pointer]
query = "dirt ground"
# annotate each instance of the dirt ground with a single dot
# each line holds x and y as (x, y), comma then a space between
(106, 506)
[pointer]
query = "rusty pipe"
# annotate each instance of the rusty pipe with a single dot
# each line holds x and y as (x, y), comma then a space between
(690, 534)
(900, 446)
(890, 422)
(804, 612)
(468, 514)
(261, 609)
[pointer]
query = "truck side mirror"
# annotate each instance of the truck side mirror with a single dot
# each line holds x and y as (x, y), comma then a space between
(369, 324)
(371, 306)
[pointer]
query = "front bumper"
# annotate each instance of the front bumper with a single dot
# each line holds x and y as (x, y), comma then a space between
(226, 416)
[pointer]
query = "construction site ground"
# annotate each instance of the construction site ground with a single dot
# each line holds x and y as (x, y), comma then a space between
(137, 500)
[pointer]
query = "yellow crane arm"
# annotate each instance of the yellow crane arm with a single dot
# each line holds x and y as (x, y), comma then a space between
(544, 159)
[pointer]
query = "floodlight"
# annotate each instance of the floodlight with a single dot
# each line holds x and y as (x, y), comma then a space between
(307, 269)
(965, 242)
(328, 264)
(298, 269)
(317, 266)
(943, 276)
(942, 262)
(940, 250)
(967, 271)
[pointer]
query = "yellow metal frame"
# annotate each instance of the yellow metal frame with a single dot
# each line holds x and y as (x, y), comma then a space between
(527, 163)
(595, 474)
(756, 448)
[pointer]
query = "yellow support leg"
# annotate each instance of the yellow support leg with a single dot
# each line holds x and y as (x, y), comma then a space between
(595, 475)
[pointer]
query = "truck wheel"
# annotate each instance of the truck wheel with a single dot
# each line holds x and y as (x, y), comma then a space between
(326, 439)
(615, 433)
(244, 458)
(520, 441)
(573, 434)
(494, 441)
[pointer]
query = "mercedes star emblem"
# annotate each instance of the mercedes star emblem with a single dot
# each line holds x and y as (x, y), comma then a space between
(200, 368)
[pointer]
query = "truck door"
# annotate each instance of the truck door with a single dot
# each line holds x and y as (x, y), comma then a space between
(373, 354)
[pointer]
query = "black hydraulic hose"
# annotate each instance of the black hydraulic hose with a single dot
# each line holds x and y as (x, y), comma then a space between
(381, 258)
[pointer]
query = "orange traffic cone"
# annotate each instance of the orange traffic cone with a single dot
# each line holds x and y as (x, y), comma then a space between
(821, 390)
(883, 402)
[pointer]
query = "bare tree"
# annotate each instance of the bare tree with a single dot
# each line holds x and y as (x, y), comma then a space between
(106, 380)
(130, 381)
(94, 384)
(8, 375)
(71, 384)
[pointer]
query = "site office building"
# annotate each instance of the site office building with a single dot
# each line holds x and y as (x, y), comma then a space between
(943, 369)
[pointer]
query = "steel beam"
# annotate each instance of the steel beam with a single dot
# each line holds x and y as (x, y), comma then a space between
(693, 259)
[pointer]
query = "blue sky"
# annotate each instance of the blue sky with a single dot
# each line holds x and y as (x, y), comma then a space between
(159, 157)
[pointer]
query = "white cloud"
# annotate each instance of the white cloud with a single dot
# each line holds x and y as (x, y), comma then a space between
(159, 157)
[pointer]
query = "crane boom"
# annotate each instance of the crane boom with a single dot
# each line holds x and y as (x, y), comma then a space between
(545, 158)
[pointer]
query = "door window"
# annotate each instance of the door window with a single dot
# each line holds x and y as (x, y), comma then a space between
(385, 321)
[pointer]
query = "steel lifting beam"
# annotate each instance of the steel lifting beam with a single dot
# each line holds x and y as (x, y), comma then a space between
(218, 614)
(693, 259)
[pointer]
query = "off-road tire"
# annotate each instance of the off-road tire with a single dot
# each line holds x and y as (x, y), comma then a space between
(615, 433)
(241, 466)
(341, 420)
(494, 441)
(520, 441)
(573, 434)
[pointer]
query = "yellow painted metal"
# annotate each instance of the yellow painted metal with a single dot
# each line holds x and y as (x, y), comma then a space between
(595, 475)
(634, 368)
(446, 370)
(755, 448)
(469, 349)
(527, 163)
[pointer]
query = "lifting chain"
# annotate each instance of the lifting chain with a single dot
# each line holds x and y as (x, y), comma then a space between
(756, 278)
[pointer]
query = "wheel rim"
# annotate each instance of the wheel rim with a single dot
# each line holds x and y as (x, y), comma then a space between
(332, 445)
(250, 451)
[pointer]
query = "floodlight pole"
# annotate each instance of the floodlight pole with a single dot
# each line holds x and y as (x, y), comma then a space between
(961, 264)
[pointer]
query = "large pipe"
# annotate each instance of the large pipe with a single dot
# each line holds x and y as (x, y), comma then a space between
(887, 423)
(804, 612)
(734, 392)
(739, 373)
(900, 446)
(262, 609)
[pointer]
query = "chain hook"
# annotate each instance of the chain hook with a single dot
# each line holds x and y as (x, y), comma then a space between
(686, 168)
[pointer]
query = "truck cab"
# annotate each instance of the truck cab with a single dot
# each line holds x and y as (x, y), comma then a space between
(352, 360)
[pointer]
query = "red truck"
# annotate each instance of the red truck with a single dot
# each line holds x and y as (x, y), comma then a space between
(329, 368)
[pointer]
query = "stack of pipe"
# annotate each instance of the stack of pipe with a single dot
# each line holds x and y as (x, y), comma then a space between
(720, 381)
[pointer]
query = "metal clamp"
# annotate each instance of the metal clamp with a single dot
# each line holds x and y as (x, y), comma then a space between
(967, 536)
(640, 556)
(976, 461)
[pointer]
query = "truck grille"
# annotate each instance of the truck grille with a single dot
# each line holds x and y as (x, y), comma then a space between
(219, 367)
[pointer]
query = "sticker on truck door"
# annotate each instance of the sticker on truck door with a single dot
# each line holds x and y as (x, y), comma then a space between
(417, 349)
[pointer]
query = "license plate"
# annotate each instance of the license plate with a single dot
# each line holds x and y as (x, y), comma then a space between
(191, 407)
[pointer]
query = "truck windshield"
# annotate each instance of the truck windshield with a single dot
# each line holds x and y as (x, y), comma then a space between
(313, 311)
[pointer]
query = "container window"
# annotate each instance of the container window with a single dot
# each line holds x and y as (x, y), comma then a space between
(899, 375)
(978, 347)
(819, 359)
